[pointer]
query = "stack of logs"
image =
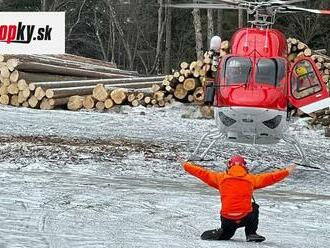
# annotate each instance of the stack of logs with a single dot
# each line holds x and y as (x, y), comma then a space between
(321, 117)
(296, 49)
(47, 82)
(73, 82)
(106, 96)
(187, 84)
(184, 85)
(13, 91)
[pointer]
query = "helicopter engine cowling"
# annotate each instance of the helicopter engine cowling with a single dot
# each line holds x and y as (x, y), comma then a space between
(251, 125)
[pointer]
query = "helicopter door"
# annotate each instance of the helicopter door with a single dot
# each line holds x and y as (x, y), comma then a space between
(307, 90)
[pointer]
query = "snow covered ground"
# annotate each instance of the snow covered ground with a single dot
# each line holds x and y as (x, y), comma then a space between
(87, 179)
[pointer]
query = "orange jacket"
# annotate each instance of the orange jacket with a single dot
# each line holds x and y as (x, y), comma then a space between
(235, 186)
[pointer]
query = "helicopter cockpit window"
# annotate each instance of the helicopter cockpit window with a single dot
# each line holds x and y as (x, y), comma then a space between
(270, 71)
(237, 70)
(304, 81)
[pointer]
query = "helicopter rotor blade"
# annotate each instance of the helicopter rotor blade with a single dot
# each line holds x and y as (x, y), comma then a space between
(232, 2)
(229, 2)
(202, 6)
(286, 2)
(315, 11)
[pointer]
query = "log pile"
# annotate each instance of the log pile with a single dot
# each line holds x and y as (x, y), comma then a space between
(73, 82)
(104, 97)
(187, 83)
(321, 117)
(297, 49)
(13, 90)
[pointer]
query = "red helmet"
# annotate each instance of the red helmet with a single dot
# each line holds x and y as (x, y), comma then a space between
(237, 160)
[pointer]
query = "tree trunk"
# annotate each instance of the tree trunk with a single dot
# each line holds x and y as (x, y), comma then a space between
(86, 90)
(240, 18)
(68, 60)
(66, 92)
(99, 39)
(161, 26)
(210, 25)
(168, 44)
(121, 33)
(77, 83)
(220, 22)
(46, 77)
(59, 101)
(43, 5)
(198, 33)
(59, 70)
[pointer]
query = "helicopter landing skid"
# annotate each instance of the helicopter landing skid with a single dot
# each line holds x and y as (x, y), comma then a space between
(293, 141)
(214, 136)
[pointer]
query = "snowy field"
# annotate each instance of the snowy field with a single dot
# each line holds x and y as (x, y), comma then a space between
(87, 179)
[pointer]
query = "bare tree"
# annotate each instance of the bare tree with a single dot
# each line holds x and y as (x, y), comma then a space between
(210, 25)
(43, 5)
(78, 18)
(121, 33)
(98, 36)
(198, 33)
(305, 28)
(240, 18)
(168, 43)
(220, 22)
(161, 26)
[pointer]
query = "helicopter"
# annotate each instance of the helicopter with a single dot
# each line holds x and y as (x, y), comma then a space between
(256, 87)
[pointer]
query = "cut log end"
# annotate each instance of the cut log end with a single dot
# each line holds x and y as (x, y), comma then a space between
(180, 93)
(100, 93)
(118, 96)
(108, 104)
(4, 99)
(190, 84)
(33, 101)
(75, 103)
(88, 102)
(39, 93)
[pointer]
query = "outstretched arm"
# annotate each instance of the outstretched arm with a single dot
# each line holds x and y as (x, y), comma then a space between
(266, 179)
(207, 176)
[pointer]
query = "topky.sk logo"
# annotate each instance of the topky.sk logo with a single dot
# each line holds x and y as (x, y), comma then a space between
(24, 33)
(32, 32)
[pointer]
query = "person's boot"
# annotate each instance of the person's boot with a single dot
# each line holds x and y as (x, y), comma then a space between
(212, 234)
(255, 238)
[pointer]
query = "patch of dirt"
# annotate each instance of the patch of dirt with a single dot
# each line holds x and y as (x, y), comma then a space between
(59, 150)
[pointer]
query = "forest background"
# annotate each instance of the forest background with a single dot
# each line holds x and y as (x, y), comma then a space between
(145, 36)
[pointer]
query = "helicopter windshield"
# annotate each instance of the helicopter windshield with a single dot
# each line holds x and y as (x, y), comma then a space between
(270, 71)
(237, 70)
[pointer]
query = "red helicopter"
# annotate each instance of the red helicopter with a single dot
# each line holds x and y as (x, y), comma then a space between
(256, 87)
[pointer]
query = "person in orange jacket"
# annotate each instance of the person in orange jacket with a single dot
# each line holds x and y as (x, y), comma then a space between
(236, 186)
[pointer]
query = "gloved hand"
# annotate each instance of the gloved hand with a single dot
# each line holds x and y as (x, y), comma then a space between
(181, 160)
(291, 168)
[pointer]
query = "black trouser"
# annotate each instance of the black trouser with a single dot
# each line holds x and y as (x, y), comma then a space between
(229, 227)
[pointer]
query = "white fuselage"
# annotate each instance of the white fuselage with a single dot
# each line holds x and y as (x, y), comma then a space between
(251, 125)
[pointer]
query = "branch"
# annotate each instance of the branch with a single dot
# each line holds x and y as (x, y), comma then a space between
(78, 19)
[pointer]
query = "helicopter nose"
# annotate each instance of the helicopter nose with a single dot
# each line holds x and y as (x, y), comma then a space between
(249, 97)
